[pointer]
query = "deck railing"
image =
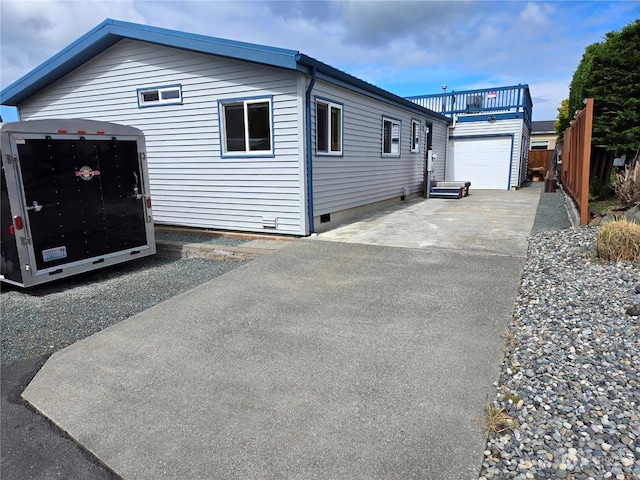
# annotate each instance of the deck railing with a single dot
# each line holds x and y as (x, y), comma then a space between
(576, 158)
(515, 100)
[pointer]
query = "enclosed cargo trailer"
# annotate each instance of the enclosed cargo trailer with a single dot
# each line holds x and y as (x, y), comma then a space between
(75, 198)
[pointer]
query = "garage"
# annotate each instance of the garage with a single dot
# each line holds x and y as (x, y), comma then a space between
(484, 161)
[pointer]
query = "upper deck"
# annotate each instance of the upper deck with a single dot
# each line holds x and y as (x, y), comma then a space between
(481, 104)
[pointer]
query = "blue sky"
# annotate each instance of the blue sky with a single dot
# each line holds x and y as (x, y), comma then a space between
(406, 47)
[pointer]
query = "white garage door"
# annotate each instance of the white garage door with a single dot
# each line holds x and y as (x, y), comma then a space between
(482, 161)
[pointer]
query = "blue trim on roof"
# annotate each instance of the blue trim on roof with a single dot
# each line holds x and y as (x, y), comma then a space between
(112, 31)
(338, 76)
(489, 117)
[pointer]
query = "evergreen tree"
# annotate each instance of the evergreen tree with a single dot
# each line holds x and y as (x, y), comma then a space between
(564, 119)
(609, 72)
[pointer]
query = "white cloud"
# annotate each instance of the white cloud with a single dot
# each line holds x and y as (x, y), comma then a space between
(33, 31)
(409, 47)
(547, 96)
(536, 14)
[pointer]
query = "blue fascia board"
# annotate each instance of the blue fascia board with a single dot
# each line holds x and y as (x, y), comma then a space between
(252, 52)
(489, 116)
(78, 52)
(337, 76)
(111, 31)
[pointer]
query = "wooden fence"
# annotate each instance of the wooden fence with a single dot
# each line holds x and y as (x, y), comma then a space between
(576, 159)
(539, 162)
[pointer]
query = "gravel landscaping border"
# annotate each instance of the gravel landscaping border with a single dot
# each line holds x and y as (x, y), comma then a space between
(193, 237)
(44, 319)
(570, 378)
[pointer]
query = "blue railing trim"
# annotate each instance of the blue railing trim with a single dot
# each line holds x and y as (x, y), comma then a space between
(515, 99)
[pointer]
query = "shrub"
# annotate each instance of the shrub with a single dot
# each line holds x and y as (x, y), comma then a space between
(619, 240)
(600, 190)
(627, 185)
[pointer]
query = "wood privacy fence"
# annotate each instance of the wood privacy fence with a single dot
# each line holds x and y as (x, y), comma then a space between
(539, 162)
(576, 158)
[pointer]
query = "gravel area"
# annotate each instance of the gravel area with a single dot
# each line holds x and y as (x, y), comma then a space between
(551, 213)
(570, 378)
(46, 318)
(190, 237)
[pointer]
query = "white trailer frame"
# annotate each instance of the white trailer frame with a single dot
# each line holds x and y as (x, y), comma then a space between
(123, 241)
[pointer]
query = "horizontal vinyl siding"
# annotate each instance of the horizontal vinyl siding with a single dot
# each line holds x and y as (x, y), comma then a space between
(190, 184)
(362, 175)
(524, 152)
(500, 127)
(439, 148)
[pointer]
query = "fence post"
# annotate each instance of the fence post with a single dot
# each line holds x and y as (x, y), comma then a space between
(586, 161)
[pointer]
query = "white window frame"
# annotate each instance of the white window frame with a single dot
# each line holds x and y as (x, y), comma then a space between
(165, 96)
(330, 139)
(245, 102)
(416, 129)
(392, 122)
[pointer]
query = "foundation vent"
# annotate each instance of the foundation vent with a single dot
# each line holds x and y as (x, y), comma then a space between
(270, 222)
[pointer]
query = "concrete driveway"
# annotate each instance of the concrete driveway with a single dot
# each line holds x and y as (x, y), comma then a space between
(488, 221)
(321, 360)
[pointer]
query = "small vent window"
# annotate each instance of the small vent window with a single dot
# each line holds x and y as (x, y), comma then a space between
(169, 95)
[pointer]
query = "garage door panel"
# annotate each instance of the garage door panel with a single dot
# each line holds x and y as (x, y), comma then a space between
(484, 162)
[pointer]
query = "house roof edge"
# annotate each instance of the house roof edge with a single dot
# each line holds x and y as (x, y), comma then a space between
(111, 31)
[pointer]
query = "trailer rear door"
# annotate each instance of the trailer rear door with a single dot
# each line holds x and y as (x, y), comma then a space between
(83, 197)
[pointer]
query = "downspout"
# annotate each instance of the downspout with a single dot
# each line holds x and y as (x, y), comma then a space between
(450, 129)
(309, 150)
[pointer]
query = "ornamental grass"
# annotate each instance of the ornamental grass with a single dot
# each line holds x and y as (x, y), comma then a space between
(619, 240)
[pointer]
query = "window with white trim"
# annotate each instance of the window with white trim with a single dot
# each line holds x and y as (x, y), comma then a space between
(415, 136)
(169, 95)
(390, 137)
(328, 127)
(246, 126)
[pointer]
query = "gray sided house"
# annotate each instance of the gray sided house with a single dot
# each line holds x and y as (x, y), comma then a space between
(488, 141)
(240, 136)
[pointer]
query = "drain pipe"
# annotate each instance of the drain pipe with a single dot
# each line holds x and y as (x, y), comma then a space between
(310, 150)
(450, 129)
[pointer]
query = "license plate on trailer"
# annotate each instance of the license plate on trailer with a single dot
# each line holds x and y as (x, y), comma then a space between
(55, 253)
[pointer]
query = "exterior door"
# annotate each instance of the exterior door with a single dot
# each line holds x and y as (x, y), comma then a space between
(82, 197)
